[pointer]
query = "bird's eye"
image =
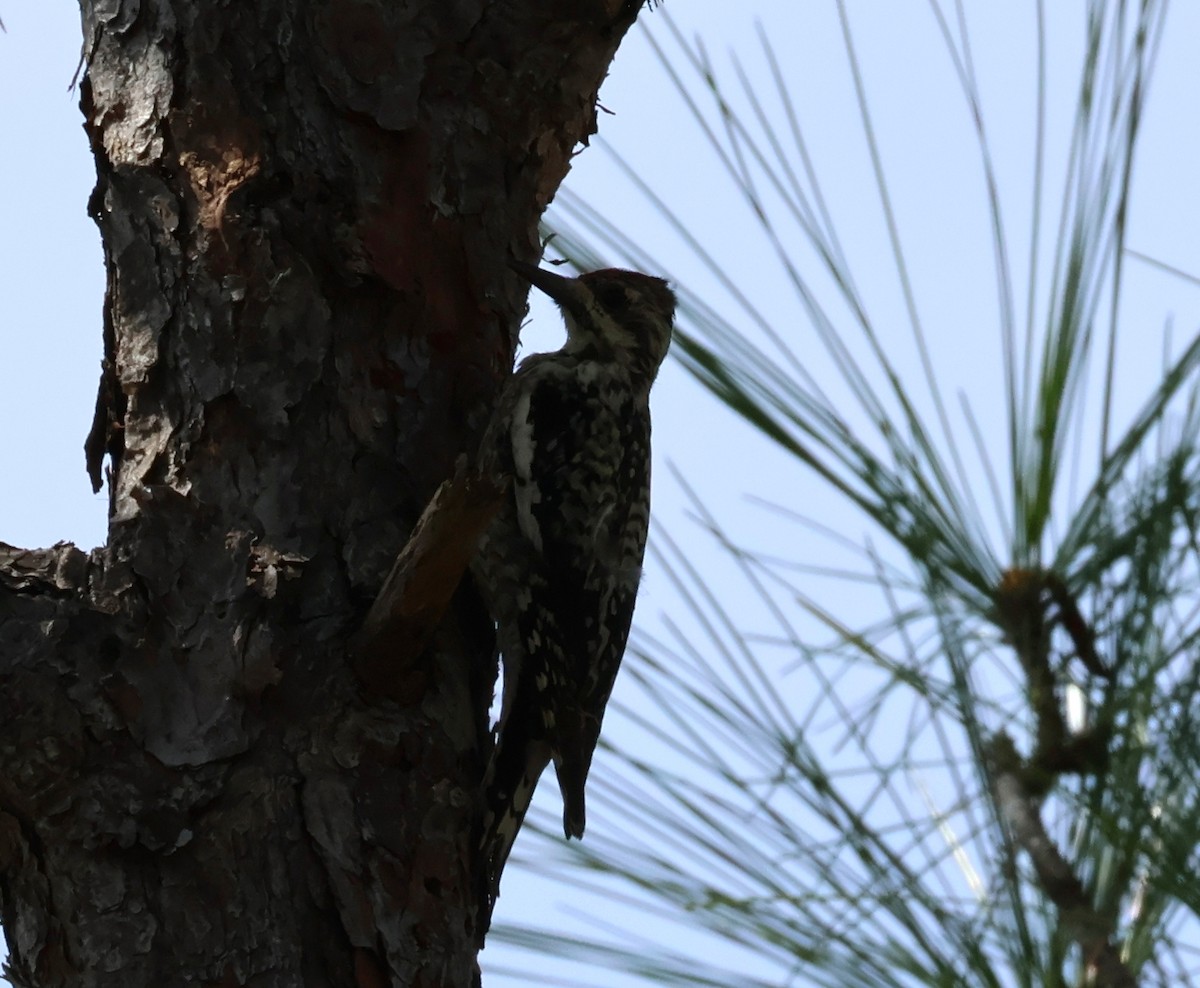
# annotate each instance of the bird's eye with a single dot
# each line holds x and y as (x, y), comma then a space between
(612, 297)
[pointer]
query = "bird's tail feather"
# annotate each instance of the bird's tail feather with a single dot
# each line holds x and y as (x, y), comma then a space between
(509, 783)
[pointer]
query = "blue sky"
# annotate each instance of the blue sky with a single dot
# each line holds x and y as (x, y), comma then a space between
(51, 278)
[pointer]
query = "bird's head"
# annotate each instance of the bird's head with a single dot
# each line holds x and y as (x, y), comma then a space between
(623, 316)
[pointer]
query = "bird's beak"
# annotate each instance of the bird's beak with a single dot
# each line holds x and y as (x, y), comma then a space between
(561, 289)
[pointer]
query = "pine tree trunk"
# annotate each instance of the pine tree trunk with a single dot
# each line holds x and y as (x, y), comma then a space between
(306, 210)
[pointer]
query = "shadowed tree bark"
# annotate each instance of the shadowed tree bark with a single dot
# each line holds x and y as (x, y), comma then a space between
(306, 210)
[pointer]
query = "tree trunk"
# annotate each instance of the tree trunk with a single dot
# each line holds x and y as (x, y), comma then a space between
(306, 210)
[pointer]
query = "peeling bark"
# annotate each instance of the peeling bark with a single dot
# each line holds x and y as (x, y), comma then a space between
(306, 210)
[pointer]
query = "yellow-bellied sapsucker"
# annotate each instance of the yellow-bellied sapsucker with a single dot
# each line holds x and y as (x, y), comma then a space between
(559, 567)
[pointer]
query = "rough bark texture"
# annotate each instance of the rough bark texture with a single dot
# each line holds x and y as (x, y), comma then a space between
(306, 209)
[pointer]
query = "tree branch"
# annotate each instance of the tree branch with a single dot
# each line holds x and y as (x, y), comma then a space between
(423, 579)
(1092, 931)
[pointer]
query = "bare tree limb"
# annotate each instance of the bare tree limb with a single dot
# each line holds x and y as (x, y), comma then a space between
(423, 579)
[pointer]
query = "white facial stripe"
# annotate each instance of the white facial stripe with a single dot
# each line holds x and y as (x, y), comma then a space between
(609, 330)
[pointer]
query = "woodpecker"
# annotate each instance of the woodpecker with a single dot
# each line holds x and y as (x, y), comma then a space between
(560, 565)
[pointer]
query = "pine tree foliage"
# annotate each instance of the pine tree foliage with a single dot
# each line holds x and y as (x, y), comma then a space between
(994, 780)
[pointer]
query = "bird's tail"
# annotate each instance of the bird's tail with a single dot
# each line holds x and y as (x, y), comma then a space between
(577, 733)
(572, 779)
(572, 762)
(511, 778)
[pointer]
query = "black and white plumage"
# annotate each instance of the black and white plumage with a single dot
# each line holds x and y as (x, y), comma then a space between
(560, 565)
